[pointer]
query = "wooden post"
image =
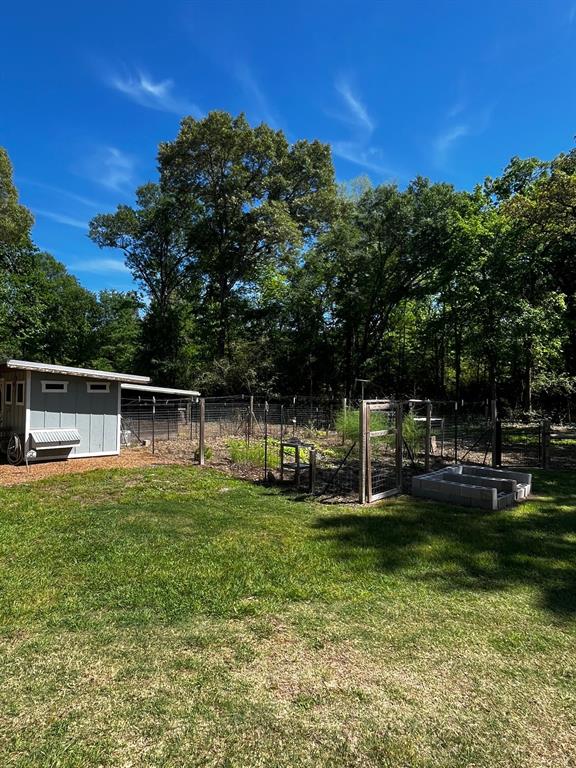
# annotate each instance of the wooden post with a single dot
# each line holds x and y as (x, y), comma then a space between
(546, 444)
(494, 419)
(312, 470)
(428, 436)
(362, 438)
(399, 444)
(202, 431)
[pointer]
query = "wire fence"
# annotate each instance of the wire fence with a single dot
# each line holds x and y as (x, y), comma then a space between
(318, 444)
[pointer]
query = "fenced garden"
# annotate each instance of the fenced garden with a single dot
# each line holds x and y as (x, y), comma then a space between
(340, 449)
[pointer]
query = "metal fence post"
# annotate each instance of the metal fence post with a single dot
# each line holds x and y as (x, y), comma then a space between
(312, 470)
(456, 432)
(153, 424)
(428, 437)
(265, 440)
(202, 431)
(399, 444)
(546, 444)
(494, 419)
(344, 409)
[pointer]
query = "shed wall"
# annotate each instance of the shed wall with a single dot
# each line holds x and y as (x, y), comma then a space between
(94, 415)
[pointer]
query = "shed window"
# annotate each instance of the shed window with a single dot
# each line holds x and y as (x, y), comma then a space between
(19, 393)
(54, 386)
(98, 386)
(8, 393)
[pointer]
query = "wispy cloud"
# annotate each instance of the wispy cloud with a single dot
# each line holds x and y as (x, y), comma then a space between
(252, 88)
(445, 141)
(359, 148)
(61, 218)
(99, 266)
(111, 168)
(471, 124)
(88, 202)
(160, 94)
(371, 158)
(357, 114)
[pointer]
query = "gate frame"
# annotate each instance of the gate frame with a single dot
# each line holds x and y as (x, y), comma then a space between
(365, 477)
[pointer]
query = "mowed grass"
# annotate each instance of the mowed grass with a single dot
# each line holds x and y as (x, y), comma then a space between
(178, 617)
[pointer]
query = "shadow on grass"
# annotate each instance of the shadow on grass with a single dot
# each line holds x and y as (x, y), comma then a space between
(532, 544)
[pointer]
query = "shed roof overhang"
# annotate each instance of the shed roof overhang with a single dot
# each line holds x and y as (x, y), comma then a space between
(65, 370)
(160, 390)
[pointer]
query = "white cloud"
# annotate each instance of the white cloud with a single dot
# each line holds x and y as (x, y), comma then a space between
(99, 266)
(359, 149)
(111, 168)
(88, 202)
(252, 88)
(61, 218)
(444, 142)
(368, 157)
(357, 112)
(159, 95)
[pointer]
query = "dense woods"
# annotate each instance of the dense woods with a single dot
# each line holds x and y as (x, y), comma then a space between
(258, 273)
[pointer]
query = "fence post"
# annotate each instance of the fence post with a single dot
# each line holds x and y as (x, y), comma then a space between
(344, 409)
(153, 424)
(362, 438)
(399, 444)
(265, 440)
(202, 431)
(546, 444)
(494, 419)
(312, 470)
(428, 436)
(456, 432)
(251, 418)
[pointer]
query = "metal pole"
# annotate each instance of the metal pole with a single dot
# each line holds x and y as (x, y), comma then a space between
(312, 470)
(266, 441)
(153, 424)
(456, 432)
(494, 419)
(428, 437)
(399, 444)
(344, 411)
(202, 431)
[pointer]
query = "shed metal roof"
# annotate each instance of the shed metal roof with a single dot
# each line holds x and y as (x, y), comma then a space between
(65, 370)
(54, 438)
(160, 390)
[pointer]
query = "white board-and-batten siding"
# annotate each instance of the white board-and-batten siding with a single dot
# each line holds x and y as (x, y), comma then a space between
(93, 414)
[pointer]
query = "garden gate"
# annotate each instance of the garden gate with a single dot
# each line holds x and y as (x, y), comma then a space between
(380, 449)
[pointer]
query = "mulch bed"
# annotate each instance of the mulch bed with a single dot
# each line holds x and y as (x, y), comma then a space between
(128, 459)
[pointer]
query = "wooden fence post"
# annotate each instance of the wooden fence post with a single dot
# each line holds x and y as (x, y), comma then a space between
(363, 452)
(202, 431)
(428, 436)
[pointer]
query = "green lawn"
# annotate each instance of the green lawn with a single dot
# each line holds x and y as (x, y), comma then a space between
(177, 617)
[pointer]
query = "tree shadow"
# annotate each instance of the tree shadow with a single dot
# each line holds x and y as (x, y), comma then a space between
(532, 544)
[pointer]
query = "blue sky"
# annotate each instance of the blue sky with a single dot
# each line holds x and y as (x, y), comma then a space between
(450, 90)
